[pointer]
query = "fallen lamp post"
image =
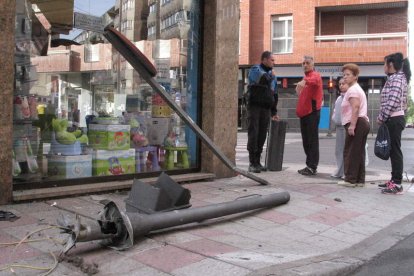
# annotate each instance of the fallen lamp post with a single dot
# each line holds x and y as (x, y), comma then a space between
(119, 230)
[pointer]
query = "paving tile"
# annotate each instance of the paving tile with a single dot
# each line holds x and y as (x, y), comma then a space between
(145, 271)
(198, 203)
(287, 233)
(344, 235)
(276, 216)
(14, 253)
(161, 258)
(211, 267)
(174, 237)
(374, 220)
(308, 225)
(298, 195)
(204, 196)
(207, 247)
(232, 227)
(254, 260)
(238, 241)
(23, 220)
(53, 237)
(256, 222)
(319, 190)
(298, 211)
(119, 265)
(51, 217)
(360, 227)
(206, 232)
(333, 216)
(326, 245)
(45, 261)
(30, 207)
(324, 201)
(140, 245)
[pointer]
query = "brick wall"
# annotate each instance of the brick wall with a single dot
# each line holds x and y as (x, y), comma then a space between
(244, 32)
(256, 30)
(379, 21)
(354, 51)
(387, 21)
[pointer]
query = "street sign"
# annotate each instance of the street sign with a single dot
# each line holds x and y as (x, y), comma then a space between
(88, 22)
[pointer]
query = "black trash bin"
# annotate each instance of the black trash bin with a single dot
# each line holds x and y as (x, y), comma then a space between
(276, 145)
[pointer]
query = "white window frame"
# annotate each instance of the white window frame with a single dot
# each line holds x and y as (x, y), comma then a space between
(286, 19)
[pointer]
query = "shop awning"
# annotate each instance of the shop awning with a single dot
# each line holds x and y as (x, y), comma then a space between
(59, 13)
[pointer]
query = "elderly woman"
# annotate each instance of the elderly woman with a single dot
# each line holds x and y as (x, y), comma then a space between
(340, 131)
(356, 122)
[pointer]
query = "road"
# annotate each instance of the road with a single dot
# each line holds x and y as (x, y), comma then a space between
(398, 260)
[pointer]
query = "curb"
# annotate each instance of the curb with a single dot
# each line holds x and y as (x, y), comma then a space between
(345, 262)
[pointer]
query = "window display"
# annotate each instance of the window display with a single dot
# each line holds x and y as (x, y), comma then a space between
(80, 109)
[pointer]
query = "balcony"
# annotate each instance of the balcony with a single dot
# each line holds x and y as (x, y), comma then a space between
(359, 47)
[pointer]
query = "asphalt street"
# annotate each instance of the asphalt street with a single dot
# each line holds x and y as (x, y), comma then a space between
(398, 260)
(294, 151)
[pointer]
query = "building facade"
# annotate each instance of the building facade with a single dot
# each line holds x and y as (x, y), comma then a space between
(75, 114)
(334, 33)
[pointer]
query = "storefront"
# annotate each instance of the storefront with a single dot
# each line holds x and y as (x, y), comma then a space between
(80, 112)
(371, 79)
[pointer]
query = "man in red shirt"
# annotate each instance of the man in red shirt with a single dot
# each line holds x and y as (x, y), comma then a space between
(308, 109)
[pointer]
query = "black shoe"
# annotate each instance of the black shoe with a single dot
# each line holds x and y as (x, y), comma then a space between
(262, 168)
(307, 171)
(393, 189)
(385, 185)
(254, 169)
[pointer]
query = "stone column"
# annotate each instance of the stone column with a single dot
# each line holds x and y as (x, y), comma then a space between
(220, 82)
(7, 25)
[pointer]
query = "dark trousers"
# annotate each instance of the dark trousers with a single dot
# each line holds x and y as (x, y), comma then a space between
(354, 152)
(310, 138)
(395, 126)
(258, 119)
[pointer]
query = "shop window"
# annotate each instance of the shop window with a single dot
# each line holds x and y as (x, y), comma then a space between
(82, 112)
(282, 34)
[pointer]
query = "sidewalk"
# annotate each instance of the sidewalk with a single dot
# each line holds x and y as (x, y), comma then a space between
(325, 229)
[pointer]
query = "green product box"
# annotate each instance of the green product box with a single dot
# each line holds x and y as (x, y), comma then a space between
(109, 137)
(115, 162)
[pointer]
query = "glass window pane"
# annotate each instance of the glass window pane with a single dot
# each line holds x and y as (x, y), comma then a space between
(289, 45)
(278, 29)
(289, 28)
(279, 46)
(81, 110)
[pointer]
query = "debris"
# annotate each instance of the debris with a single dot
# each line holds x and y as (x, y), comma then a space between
(9, 216)
(97, 198)
(87, 268)
(53, 204)
(338, 199)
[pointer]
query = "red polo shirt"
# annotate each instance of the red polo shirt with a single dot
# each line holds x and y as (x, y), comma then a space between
(311, 92)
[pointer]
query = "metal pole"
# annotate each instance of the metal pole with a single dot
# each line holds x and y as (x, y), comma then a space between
(120, 229)
(138, 62)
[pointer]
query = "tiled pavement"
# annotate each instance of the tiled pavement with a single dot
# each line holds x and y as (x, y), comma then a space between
(311, 235)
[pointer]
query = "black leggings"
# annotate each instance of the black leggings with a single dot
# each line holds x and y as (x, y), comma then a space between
(395, 126)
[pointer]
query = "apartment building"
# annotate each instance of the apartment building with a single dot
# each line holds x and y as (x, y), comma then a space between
(333, 32)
